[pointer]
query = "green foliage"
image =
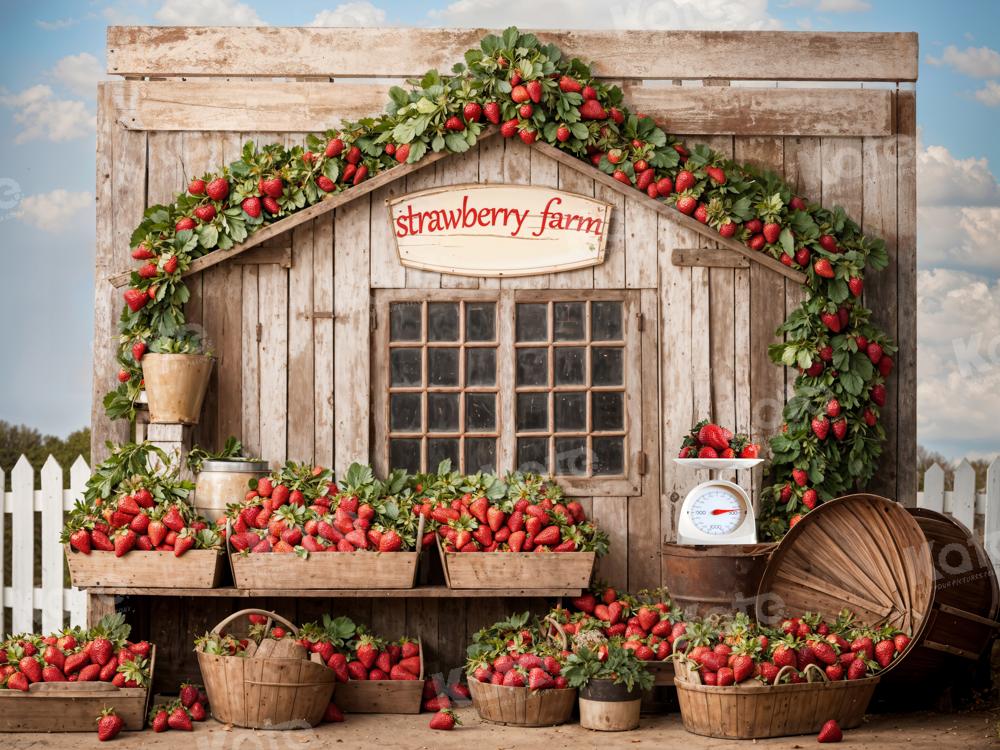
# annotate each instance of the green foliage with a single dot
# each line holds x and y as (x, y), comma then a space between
(621, 666)
(16, 440)
(233, 449)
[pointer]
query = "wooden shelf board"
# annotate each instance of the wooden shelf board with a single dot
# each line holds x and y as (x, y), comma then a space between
(421, 592)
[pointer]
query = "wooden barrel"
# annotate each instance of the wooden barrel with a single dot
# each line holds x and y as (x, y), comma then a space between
(519, 706)
(176, 386)
(707, 578)
(963, 616)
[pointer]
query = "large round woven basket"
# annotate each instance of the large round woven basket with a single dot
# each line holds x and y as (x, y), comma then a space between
(287, 691)
(521, 706)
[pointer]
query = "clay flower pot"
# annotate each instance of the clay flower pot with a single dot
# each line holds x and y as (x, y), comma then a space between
(175, 386)
(608, 707)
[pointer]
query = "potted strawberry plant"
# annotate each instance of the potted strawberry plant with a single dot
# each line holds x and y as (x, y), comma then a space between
(175, 371)
(611, 680)
(134, 526)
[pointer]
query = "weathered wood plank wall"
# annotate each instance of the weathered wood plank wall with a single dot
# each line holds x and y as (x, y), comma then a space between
(293, 338)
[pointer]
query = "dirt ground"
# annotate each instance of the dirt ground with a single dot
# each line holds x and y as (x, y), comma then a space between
(916, 731)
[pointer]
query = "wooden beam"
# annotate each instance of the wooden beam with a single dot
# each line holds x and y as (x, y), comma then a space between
(330, 203)
(673, 214)
(200, 105)
(708, 258)
(107, 594)
(269, 52)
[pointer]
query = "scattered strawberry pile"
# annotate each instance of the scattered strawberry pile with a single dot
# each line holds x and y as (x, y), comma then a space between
(521, 513)
(530, 90)
(101, 654)
(353, 653)
(299, 509)
(191, 705)
(709, 440)
(733, 650)
(439, 696)
(516, 653)
(645, 623)
(128, 506)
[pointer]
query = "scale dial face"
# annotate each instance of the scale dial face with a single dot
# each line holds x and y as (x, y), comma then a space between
(717, 511)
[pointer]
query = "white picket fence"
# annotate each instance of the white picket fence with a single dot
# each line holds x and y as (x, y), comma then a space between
(19, 506)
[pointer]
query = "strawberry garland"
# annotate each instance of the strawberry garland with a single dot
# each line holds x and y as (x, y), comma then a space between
(831, 439)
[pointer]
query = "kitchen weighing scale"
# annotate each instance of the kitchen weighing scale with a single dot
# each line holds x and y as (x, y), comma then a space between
(717, 511)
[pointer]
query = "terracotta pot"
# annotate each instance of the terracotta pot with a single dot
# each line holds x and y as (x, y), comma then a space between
(607, 707)
(175, 386)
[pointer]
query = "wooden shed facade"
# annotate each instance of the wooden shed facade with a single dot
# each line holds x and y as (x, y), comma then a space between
(300, 322)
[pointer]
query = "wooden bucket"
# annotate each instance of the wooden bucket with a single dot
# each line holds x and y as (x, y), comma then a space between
(706, 578)
(363, 569)
(516, 570)
(271, 692)
(382, 696)
(224, 481)
(196, 568)
(963, 618)
(755, 711)
(73, 706)
(520, 706)
(176, 386)
(606, 707)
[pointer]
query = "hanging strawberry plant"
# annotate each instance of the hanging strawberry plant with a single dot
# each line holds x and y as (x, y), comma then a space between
(831, 439)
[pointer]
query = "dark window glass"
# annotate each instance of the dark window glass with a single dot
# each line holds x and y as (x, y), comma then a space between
(571, 412)
(533, 455)
(442, 412)
(480, 412)
(480, 454)
(608, 410)
(571, 365)
(568, 321)
(532, 366)
(609, 455)
(606, 366)
(480, 321)
(606, 321)
(442, 366)
(532, 322)
(532, 411)
(438, 449)
(442, 321)
(480, 366)
(405, 454)
(405, 367)
(404, 321)
(404, 412)
(571, 456)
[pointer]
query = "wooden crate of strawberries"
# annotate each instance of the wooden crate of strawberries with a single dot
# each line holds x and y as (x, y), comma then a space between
(62, 683)
(134, 527)
(514, 533)
(297, 529)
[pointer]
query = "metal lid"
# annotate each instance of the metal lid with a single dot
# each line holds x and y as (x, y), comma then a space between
(235, 465)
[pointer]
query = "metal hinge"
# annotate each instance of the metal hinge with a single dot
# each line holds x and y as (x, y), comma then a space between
(260, 332)
(372, 319)
(640, 463)
(641, 320)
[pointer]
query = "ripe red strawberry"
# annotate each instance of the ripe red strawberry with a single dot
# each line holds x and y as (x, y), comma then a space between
(135, 299)
(159, 722)
(823, 268)
(856, 285)
(750, 450)
(492, 112)
(874, 352)
(865, 645)
(332, 714)
(701, 213)
(196, 187)
(592, 110)
(900, 641)
(534, 90)
(109, 724)
(570, 85)
(539, 679)
(800, 477)
(251, 206)
(197, 711)
(80, 541)
(138, 350)
(885, 366)
(885, 651)
(124, 542)
(142, 253)
(525, 111)
(728, 229)
(685, 181)
(402, 153)
(878, 394)
(271, 205)
(664, 186)
(90, 673)
(205, 213)
(217, 189)
(334, 148)
(724, 677)
(124, 376)
(840, 428)
(454, 122)
(830, 732)
(707, 451)
(771, 232)
(716, 175)
(446, 719)
(686, 204)
(180, 720)
(831, 321)
(820, 427)
(399, 673)
(173, 519)
(31, 668)
(802, 256)
(353, 155)
(509, 128)
(562, 133)
(742, 666)
(147, 271)
(829, 243)
(528, 135)
(472, 112)
(186, 223)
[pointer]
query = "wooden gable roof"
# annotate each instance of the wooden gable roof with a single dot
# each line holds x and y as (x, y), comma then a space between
(337, 200)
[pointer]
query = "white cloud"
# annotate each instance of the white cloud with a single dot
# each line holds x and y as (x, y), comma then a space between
(42, 115)
(843, 6)
(58, 24)
(989, 94)
(944, 180)
(79, 73)
(55, 211)
(207, 13)
(121, 15)
(978, 62)
(664, 14)
(351, 14)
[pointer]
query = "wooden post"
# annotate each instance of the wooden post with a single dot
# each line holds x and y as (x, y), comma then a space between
(98, 605)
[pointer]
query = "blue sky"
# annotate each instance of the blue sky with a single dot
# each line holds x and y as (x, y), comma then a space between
(54, 55)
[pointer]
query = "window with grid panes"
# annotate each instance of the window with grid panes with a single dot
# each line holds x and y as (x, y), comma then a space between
(544, 381)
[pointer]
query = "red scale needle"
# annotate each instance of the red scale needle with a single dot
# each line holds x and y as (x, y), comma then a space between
(720, 511)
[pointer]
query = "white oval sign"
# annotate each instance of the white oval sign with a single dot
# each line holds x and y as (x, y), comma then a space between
(498, 230)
